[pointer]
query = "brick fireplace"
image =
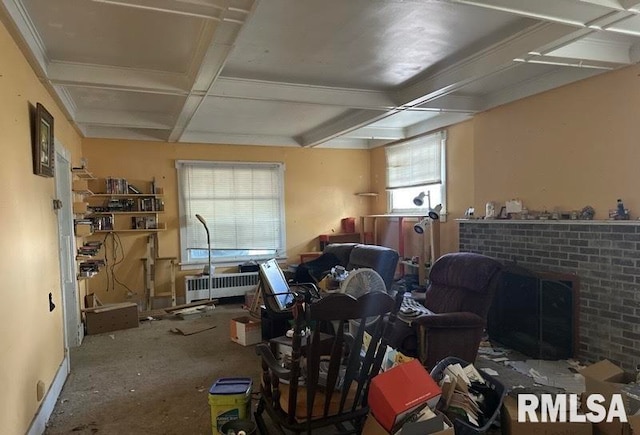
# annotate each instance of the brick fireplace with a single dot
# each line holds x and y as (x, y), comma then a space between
(605, 255)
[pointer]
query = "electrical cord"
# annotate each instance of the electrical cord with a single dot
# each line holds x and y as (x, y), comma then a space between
(112, 278)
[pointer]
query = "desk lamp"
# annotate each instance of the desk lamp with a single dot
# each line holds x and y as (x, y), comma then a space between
(209, 272)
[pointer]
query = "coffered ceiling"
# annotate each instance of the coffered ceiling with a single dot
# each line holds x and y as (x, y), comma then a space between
(326, 73)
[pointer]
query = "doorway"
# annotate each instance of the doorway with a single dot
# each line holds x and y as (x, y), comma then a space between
(73, 329)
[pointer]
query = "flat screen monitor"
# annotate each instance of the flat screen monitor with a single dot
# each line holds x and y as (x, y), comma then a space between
(275, 284)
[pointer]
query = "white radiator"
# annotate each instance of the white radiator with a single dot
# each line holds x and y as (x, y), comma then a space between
(223, 285)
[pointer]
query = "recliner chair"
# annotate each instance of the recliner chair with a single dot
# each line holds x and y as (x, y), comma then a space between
(460, 291)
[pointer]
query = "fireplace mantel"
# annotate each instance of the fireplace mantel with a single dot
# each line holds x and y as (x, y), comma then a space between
(549, 221)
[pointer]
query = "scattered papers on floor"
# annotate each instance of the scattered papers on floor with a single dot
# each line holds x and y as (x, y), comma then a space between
(560, 374)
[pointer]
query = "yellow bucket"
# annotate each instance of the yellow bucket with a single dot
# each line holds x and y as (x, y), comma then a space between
(230, 399)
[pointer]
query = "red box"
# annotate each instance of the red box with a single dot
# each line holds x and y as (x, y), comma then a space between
(398, 391)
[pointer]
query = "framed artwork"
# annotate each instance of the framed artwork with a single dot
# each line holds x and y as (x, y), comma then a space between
(503, 213)
(43, 152)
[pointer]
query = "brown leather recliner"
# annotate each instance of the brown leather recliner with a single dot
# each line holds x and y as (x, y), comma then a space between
(460, 291)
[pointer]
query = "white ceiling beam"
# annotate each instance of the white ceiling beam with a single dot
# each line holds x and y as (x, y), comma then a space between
(237, 139)
(108, 77)
(491, 60)
(440, 121)
(569, 12)
(67, 101)
(212, 10)
(126, 119)
(592, 49)
(569, 62)
(370, 132)
(453, 103)
(218, 48)
(298, 93)
(551, 80)
(344, 124)
(629, 5)
(352, 144)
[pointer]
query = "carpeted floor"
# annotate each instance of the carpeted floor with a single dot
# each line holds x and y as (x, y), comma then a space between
(150, 380)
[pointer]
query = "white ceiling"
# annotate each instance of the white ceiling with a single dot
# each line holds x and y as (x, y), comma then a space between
(327, 73)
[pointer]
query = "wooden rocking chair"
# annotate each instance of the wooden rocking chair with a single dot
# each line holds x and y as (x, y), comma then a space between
(318, 390)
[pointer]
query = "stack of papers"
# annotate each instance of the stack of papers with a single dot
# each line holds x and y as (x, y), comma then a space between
(458, 399)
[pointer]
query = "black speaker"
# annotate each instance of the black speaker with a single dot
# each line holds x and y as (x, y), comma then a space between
(274, 324)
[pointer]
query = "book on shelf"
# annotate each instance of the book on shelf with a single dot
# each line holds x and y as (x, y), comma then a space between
(117, 186)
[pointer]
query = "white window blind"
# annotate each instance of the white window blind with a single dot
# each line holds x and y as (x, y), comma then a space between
(242, 203)
(416, 162)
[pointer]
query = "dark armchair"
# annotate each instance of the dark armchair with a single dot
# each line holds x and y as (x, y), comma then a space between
(460, 291)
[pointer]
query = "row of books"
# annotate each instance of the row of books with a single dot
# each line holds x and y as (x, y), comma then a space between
(117, 186)
(89, 249)
(103, 223)
(90, 267)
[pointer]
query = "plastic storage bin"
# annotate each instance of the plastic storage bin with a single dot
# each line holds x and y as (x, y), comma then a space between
(230, 399)
(494, 401)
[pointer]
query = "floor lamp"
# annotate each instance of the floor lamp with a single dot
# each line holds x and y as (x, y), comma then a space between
(201, 219)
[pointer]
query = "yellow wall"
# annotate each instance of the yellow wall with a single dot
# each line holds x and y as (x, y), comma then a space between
(31, 338)
(566, 148)
(320, 187)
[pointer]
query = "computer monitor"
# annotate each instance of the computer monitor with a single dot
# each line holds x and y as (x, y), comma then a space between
(275, 285)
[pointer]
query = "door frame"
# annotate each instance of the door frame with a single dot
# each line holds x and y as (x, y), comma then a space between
(72, 324)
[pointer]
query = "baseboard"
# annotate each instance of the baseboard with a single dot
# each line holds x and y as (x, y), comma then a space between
(39, 422)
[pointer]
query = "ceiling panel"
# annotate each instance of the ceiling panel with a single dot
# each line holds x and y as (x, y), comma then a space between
(104, 34)
(356, 43)
(236, 116)
(108, 99)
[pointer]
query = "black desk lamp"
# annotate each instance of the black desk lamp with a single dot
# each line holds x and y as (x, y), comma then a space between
(209, 272)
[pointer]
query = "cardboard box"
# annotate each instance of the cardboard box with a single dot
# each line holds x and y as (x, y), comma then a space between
(373, 427)
(606, 378)
(398, 391)
(80, 185)
(246, 330)
(511, 426)
(107, 318)
(80, 207)
(83, 229)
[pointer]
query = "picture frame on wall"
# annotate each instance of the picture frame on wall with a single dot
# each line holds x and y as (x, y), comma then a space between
(43, 147)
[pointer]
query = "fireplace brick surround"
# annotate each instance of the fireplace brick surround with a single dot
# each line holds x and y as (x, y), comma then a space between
(605, 255)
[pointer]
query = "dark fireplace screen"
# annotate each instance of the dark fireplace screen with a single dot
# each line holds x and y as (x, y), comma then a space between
(536, 313)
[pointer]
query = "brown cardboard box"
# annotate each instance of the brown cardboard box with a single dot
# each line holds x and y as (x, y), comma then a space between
(107, 318)
(372, 427)
(511, 426)
(246, 330)
(606, 378)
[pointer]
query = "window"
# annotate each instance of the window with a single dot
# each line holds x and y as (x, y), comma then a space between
(414, 166)
(242, 204)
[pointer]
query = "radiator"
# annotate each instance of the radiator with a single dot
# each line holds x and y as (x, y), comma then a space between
(223, 285)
